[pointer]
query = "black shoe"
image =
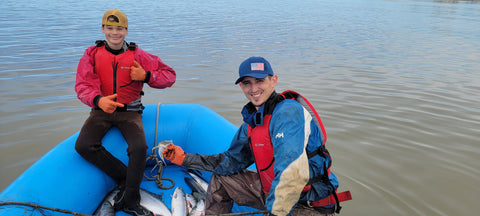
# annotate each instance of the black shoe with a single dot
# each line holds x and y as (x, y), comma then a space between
(137, 210)
(119, 199)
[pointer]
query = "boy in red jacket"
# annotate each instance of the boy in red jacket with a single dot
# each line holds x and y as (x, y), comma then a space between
(110, 78)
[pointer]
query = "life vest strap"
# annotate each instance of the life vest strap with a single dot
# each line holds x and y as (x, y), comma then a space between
(318, 151)
(330, 199)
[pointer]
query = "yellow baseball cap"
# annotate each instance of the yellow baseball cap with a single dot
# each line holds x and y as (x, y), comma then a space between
(122, 19)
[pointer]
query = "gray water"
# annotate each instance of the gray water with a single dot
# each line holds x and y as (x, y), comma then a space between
(397, 83)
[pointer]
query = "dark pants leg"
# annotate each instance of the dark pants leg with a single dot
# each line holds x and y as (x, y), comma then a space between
(243, 188)
(132, 130)
(89, 146)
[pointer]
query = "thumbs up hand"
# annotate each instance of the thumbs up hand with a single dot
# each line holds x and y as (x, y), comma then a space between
(137, 73)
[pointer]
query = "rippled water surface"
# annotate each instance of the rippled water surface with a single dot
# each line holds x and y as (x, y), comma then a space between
(397, 83)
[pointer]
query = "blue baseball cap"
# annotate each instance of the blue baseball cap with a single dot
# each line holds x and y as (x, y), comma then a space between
(256, 67)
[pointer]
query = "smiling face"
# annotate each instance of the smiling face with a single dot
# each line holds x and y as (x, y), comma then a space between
(115, 35)
(258, 90)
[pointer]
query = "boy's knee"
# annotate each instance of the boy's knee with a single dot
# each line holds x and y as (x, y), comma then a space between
(140, 150)
(81, 149)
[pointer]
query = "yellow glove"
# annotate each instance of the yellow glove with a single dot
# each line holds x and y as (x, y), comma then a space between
(137, 73)
(175, 154)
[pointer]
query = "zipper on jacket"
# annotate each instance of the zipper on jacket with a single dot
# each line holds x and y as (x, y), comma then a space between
(115, 67)
(253, 154)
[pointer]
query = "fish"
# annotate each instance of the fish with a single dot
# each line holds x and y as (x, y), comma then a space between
(152, 202)
(199, 209)
(196, 200)
(191, 202)
(201, 182)
(197, 183)
(106, 207)
(162, 145)
(179, 202)
(197, 190)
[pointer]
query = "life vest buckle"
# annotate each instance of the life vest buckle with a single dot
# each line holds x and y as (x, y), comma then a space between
(132, 46)
(99, 43)
(309, 204)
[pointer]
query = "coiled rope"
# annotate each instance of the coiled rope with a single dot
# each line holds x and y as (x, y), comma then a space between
(158, 177)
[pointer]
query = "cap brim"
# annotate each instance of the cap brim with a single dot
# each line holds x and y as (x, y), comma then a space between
(254, 75)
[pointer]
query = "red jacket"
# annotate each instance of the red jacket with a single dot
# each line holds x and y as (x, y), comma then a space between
(89, 85)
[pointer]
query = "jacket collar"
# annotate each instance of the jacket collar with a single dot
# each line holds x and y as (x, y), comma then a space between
(254, 117)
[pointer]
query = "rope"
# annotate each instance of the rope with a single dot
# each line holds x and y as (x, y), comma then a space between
(35, 206)
(158, 177)
(156, 123)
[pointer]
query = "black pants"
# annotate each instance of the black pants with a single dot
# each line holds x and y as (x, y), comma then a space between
(89, 146)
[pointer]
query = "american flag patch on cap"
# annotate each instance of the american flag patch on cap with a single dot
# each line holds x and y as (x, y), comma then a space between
(257, 66)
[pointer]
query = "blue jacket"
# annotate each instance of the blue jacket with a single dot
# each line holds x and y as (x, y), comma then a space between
(293, 135)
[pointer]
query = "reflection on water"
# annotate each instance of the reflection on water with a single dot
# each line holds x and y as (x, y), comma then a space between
(395, 82)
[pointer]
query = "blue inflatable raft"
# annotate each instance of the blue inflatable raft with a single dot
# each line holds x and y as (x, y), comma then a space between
(63, 180)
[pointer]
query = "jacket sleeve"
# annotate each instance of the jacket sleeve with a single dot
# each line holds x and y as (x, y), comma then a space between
(238, 157)
(289, 132)
(160, 75)
(87, 83)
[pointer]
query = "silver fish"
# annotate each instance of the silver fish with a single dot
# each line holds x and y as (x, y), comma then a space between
(153, 202)
(197, 190)
(198, 179)
(199, 209)
(148, 200)
(191, 202)
(106, 207)
(179, 202)
(160, 147)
